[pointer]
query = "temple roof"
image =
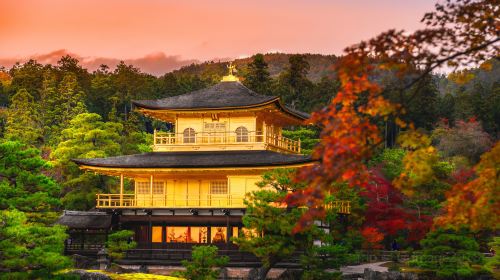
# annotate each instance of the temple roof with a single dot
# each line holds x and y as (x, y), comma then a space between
(85, 220)
(212, 159)
(224, 95)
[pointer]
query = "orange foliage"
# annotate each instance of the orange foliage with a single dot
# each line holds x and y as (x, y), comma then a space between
(475, 203)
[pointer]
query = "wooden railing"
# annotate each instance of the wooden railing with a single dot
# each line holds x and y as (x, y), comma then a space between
(342, 206)
(226, 137)
(168, 201)
(189, 201)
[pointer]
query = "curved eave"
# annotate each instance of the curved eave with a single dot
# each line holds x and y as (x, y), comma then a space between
(113, 170)
(300, 117)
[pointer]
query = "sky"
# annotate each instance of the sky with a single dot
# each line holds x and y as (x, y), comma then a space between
(162, 35)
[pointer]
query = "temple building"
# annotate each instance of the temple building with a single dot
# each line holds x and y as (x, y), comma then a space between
(190, 189)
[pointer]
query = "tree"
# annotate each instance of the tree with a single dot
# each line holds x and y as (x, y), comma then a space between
(449, 253)
(86, 137)
(258, 78)
(456, 33)
(293, 83)
(203, 264)
(308, 138)
(23, 119)
(269, 223)
(392, 214)
(30, 250)
(32, 247)
(60, 103)
(27, 76)
(119, 242)
(464, 139)
(472, 203)
(23, 186)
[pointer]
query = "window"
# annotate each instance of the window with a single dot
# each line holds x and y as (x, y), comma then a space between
(219, 234)
(241, 134)
(156, 234)
(218, 187)
(189, 135)
(144, 187)
(214, 127)
(158, 187)
(187, 234)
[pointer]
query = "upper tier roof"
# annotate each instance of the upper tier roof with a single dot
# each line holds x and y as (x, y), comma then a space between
(198, 160)
(224, 95)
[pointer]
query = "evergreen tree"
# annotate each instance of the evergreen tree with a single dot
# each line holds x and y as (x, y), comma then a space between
(258, 77)
(86, 137)
(23, 119)
(293, 84)
(31, 245)
(269, 226)
(60, 104)
(449, 253)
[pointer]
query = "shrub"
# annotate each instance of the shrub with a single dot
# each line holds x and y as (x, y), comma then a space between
(449, 253)
(202, 265)
(119, 242)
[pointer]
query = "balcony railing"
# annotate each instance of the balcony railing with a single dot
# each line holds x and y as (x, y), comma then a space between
(168, 201)
(168, 139)
(189, 201)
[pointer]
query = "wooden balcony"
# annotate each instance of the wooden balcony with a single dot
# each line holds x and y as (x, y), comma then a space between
(213, 141)
(168, 201)
(189, 201)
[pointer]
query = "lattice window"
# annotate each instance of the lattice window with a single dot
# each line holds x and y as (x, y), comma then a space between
(218, 187)
(144, 187)
(158, 187)
(214, 127)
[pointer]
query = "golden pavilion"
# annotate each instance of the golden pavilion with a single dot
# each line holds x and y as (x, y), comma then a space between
(190, 189)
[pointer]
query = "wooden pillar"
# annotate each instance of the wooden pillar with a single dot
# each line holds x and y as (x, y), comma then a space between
(151, 189)
(121, 189)
(264, 132)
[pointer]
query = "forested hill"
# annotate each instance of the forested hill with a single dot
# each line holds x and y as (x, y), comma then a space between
(320, 66)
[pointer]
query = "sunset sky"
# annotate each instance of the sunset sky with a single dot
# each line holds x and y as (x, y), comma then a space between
(161, 35)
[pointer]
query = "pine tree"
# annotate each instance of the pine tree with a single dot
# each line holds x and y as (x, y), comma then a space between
(60, 104)
(31, 246)
(23, 119)
(258, 77)
(86, 137)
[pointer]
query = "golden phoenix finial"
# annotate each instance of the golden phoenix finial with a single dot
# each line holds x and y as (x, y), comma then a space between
(230, 77)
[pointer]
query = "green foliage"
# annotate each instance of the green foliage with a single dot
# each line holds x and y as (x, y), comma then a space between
(203, 264)
(257, 77)
(391, 161)
(449, 253)
(269, 226)
(86, 137)
(309, 137)
(492, 264)
(23, 119)
(30, 250)
(31, 245)
(23, 186)
(119, 242)
(60, 104)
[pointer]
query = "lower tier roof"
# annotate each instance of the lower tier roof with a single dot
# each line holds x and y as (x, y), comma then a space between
(212, 159)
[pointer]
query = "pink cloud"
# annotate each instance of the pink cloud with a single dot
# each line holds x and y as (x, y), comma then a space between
(155, 63)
